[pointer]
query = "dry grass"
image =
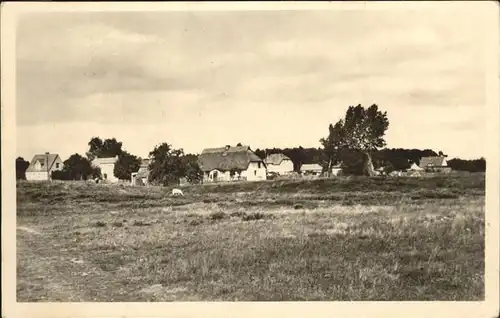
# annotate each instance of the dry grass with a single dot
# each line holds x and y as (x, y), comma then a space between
(346, 239)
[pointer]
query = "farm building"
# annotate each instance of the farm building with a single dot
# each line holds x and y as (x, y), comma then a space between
(336, 169)
(311, 169)
(141, 176)
(279, 163)
(107, 166)
(42, 166)
(435, 164)
(230, 164)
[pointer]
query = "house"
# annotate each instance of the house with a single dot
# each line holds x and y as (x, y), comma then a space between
(141, 176)
(42, 166)
(435, 164)
(279, 163)
(311, 169)
(231, 163)
(107, 166)
(336, 169)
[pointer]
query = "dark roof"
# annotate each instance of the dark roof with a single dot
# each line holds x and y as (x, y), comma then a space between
(225, 159)
(276, 158)
(433, 161)
(43, 158)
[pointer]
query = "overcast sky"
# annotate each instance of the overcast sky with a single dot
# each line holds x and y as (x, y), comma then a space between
(262, 78)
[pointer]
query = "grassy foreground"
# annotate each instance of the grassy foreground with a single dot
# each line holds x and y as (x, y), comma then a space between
(339, 239)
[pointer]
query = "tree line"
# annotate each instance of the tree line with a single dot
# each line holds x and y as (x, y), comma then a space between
(356, 142)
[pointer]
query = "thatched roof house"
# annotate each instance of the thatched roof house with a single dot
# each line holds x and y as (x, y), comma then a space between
(218, 164)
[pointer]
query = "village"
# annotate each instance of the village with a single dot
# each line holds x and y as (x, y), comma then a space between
(230, 164)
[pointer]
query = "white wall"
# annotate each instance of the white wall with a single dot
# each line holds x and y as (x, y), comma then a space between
(108, 169)
(254, 173)
(37, 175)
(285, 167)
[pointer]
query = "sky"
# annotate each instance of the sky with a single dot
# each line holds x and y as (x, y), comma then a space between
(205, 79)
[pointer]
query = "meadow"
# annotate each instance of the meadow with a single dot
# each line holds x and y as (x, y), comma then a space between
(330, 239)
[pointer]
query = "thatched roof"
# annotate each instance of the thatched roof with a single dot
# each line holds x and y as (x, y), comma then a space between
(276, 159)
(47, 160)
(432, 161)
(227, 158)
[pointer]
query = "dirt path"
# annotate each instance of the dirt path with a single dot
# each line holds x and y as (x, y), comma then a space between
(38, 271)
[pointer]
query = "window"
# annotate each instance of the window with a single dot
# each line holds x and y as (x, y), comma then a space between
(105, 176)
(255, 172)
(57, 165)
(259, 165)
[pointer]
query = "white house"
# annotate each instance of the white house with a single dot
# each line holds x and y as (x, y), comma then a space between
(231, 164)
(435, 164)
(107, 166)
(311, 169)
(42, 166)
(279, 163)
(141, 176)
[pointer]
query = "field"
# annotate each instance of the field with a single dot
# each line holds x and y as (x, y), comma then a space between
(338, 239)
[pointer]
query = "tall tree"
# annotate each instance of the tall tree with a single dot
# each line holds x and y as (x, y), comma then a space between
(361, 131)
(166, 164)
(21, 166)
(332, 144)
(126, 164)
(99, 148)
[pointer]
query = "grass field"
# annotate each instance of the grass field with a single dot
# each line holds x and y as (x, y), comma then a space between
(342, 239)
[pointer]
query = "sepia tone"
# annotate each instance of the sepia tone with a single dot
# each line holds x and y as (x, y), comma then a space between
(257, 155)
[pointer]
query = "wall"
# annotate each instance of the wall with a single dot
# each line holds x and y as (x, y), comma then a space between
(285, 167)
(37, 175)
(254, 173)
(108, 169)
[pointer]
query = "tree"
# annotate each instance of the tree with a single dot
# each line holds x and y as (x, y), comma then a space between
(333, 144)
(77, 167)
(362, 132)
(126, 164)
(21, 166)
(166, 164)
(103, 149)
(239, 144)
(192, 169)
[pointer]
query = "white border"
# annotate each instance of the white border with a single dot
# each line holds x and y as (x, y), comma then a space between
(488, 308)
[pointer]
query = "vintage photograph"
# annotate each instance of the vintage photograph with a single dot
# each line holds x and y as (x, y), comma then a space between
(251, 155)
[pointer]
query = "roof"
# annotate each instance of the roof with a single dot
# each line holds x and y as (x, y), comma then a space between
(43, 158)
(414, 167)
(223, 159)
(109, 160)
(433, 161)
(311, 166)
(276, 159)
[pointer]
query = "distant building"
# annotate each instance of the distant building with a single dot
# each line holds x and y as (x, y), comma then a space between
(279, 163)
(435, 164)
(230, 164)
(107, 166)
(42, 166)
(141, 176)
(311, 169)
(336, 169)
